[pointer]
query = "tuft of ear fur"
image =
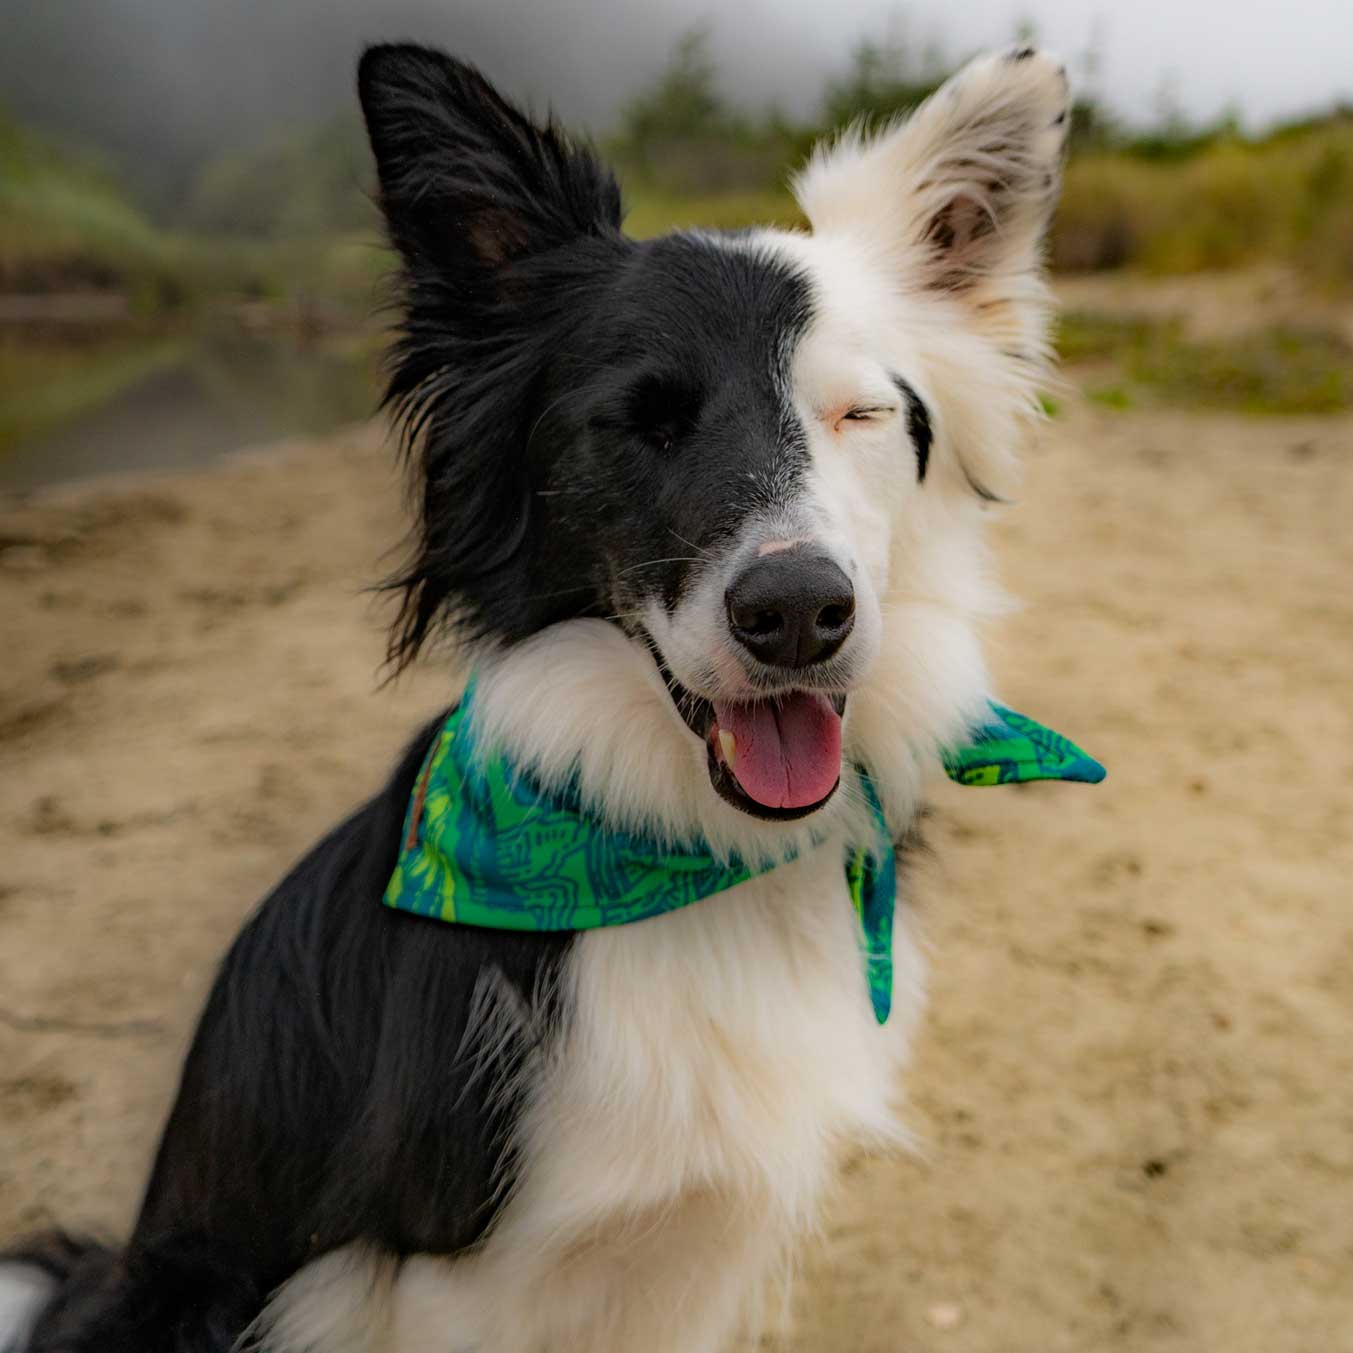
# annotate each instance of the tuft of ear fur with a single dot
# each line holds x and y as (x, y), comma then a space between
(499, 224)
(953, 204)
(464, 173)
(957, 197)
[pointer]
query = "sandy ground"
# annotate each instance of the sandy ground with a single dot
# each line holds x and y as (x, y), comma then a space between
(1134, 1093)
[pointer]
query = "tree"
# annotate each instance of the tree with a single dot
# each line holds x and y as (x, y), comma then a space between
(683, 106)
(881, 83)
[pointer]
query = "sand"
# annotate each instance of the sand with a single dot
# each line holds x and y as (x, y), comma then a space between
(1133, 1096)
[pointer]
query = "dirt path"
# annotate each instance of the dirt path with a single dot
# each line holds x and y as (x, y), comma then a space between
(1135, 1091)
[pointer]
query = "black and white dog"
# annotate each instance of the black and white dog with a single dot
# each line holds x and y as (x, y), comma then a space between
(706, 514)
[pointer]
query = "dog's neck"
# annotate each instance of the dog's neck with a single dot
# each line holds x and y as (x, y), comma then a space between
(583, 699)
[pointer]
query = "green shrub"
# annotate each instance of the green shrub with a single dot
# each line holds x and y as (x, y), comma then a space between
(1274, 370)
(1288, 198)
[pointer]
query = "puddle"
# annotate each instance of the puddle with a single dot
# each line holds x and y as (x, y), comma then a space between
(68, 411)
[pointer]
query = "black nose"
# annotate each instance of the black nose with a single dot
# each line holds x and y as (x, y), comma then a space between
(791, 608)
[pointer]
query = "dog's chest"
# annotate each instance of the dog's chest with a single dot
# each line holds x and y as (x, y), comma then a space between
(728, 1045)
(675, 1136)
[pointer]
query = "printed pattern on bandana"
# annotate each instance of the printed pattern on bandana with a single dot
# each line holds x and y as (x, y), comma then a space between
(488, 849)
(871, 877)
(483, 846)
(1013, 748)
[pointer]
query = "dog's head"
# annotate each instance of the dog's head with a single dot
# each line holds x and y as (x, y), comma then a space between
(755, 462)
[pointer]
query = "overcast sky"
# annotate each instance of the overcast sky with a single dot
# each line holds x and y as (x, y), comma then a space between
(164, 83)
(1267, 61)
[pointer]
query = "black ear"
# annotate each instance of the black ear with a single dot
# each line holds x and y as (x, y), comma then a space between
(464, 174)
(507, 231)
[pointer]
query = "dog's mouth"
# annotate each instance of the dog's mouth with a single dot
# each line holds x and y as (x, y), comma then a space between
(776, 757)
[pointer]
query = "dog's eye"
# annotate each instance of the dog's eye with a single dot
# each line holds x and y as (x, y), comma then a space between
(863, 413)
(663, 410)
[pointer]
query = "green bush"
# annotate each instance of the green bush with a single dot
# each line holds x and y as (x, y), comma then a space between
(300, 184)
(1288, 197)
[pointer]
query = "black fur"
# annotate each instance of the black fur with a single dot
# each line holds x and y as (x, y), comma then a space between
(358, 1015)
(502, 227)
(589, 413)
(557, 376)
(178, 1295)
(331, 1095)
(918, 425)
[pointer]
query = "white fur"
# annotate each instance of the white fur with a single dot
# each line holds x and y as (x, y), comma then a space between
(679, 1136)
(24, 1291)
(989, 144)
(715, 1062)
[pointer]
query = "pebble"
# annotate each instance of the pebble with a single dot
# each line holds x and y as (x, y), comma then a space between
(945, 1315)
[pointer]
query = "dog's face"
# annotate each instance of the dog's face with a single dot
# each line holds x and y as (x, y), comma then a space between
(745, 452)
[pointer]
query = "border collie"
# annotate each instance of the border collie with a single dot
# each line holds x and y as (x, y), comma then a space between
(705, 514)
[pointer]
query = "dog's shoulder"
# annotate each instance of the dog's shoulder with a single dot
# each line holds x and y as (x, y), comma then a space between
(338, 1045)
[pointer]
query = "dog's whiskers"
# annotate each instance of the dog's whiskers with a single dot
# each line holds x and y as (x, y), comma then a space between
(652, 563)
(563, 592)
(691, 543)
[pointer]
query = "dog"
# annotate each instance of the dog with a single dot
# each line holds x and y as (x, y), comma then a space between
(705, 515)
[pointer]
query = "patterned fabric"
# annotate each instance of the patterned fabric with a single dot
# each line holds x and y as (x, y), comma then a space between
(482, 845)
(871, 877)
(1013, 748)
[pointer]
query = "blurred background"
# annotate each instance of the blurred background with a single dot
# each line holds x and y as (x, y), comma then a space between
(186, 236)
(1133, 1095)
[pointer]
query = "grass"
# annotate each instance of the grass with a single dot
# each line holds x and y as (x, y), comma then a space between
(1091, 335)
(1274, 370)
(1114, 397)
(651, 210)
(1270, 370)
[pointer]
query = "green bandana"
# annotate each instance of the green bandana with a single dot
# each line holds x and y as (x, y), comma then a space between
(483, 846)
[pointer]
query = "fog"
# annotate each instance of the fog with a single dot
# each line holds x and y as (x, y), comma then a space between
(168, 81)
(159, 84)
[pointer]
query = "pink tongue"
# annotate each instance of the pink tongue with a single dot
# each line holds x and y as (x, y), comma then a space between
(788, 751)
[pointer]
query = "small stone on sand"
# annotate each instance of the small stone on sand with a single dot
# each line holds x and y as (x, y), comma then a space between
(945, 1315)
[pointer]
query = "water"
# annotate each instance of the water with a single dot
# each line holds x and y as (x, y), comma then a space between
(68, 411)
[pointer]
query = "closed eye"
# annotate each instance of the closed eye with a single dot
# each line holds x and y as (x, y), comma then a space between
(662, 409)
(863, 413)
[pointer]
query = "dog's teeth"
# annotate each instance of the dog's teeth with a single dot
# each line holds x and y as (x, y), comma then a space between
(729, 744)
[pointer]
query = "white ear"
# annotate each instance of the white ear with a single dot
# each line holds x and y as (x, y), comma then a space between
(957, 197)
